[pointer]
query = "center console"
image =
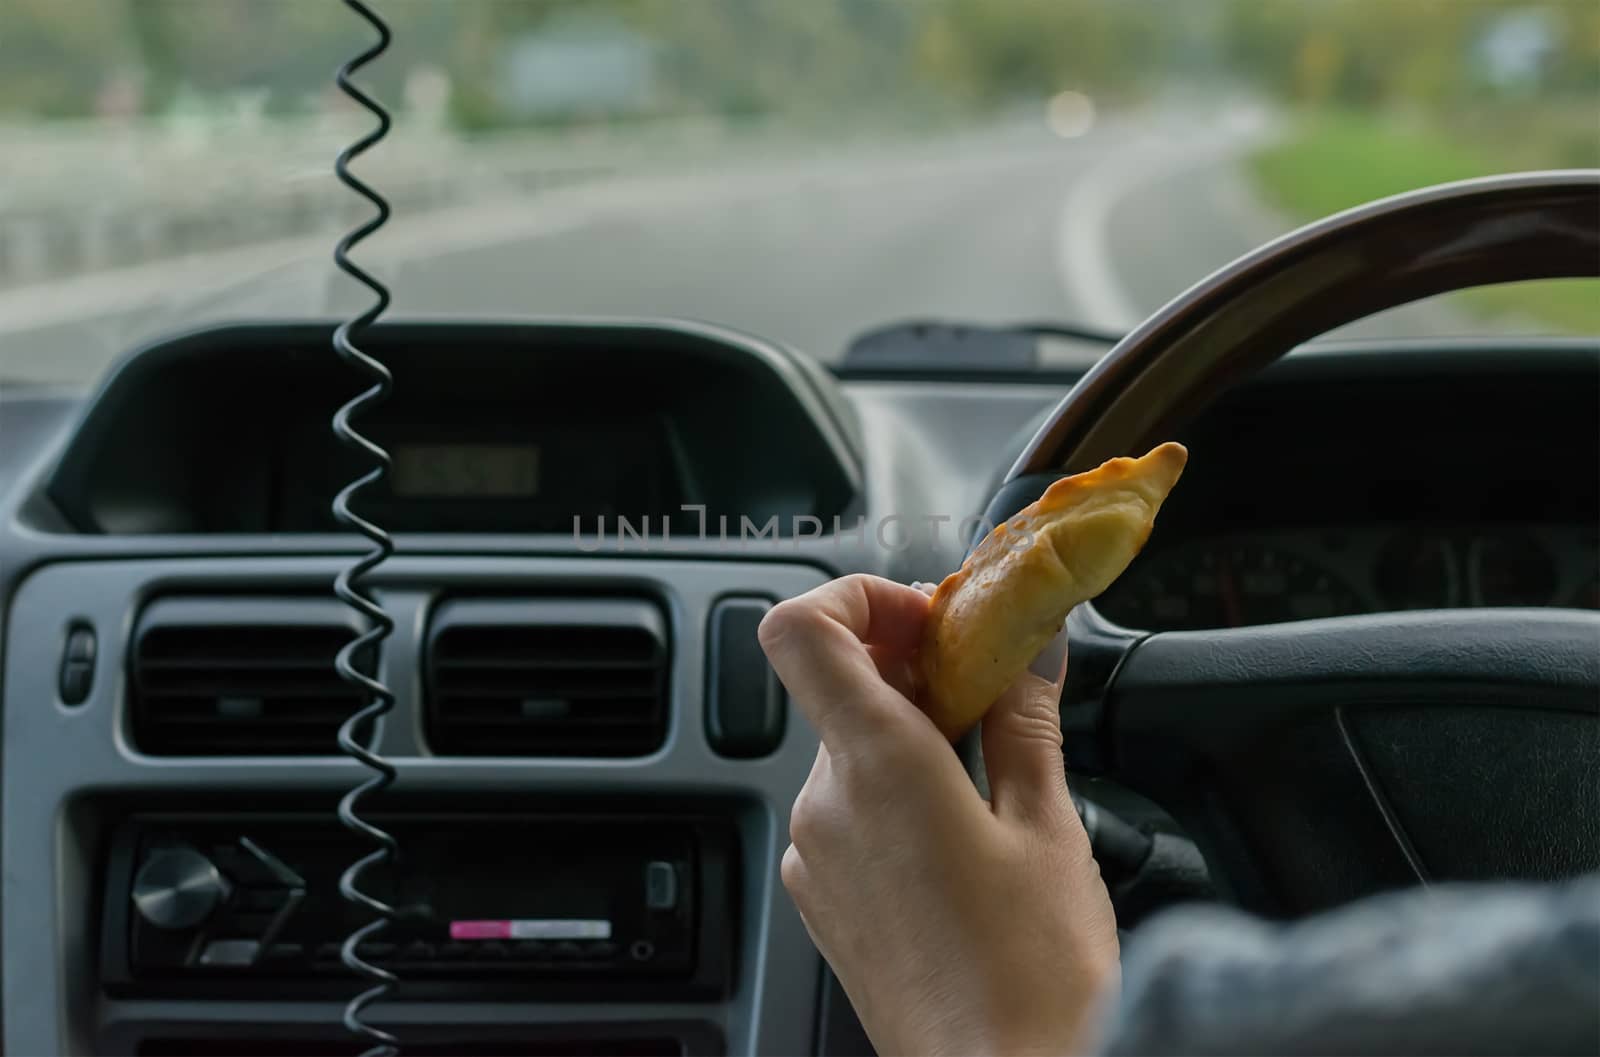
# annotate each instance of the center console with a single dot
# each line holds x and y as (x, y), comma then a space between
(185, 883)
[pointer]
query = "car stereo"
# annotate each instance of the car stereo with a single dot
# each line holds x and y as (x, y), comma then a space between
(584, 901)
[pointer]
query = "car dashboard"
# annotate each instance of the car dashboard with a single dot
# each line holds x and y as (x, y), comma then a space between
(1246, 579)
(595, 765)
(1368, 488)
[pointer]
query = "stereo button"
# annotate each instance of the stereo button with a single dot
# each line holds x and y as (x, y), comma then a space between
(244, 868)
(251, 865)
(77, 666)
(178, 888)
(660, 886)
(77, 677)
(232, 953)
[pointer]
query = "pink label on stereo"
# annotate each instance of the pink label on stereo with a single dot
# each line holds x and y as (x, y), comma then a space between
(532, 929)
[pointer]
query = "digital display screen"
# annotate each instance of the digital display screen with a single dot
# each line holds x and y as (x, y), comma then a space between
(466, 471)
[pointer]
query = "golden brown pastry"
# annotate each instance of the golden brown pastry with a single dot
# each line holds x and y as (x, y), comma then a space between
(990, 618)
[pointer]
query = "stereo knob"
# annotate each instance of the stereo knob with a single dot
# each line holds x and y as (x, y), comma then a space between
(178, 888)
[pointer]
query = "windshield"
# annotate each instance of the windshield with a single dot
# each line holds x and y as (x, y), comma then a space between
(806, 171)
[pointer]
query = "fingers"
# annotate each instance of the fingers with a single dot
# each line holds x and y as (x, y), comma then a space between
(819, 644)
(812, 809)
(897, 669)
(844, 651)
(797, 882)
(1022, 745)
(792, 871)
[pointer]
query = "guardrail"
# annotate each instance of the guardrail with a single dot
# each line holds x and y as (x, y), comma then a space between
(88, 196)
(87, 199)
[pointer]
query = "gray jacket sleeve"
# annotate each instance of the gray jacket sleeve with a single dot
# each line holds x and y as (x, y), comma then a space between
(1446, 970)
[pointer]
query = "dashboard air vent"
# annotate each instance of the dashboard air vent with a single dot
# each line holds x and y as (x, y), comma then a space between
(240, 676)
(547, 677)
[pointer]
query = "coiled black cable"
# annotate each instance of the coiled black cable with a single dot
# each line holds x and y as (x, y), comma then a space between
(348, 583)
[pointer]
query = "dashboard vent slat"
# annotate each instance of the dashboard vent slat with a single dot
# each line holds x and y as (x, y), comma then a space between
(563, 682)
(211, 663)
(240, 676)
(491, 664)
(547, 677)
(224, 685)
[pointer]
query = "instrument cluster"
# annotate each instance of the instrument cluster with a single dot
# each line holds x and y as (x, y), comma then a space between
(1269, 578)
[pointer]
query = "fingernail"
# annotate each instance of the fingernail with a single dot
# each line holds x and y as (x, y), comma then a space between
(917, 585)
(1052, 659)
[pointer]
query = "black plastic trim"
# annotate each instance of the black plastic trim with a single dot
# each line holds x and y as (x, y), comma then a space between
(1213, 686)
(275, 351)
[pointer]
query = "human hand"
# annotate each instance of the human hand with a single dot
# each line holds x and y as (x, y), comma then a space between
(955, 925)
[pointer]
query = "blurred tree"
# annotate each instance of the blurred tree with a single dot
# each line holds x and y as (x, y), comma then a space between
(288, 50)
(825, 60)
(1425, 54)
(728, 57)
(989, 52)
(54, 61)
(1516, 78)
(56, 55)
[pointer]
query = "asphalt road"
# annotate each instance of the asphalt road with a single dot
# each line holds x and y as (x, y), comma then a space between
(811, 260)
(811, 248)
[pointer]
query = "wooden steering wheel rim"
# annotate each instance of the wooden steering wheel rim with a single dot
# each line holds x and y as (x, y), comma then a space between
(1499, 229)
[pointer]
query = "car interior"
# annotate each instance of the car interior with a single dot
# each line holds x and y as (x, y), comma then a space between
(1361, 651)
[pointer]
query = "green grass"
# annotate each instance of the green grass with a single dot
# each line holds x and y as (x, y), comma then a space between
(1333, 162)
(1566, 305)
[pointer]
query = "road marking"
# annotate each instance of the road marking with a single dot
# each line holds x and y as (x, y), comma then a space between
(1083, 246)
(1085, 263)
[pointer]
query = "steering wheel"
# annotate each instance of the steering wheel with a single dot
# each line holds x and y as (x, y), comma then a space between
(1319, 761)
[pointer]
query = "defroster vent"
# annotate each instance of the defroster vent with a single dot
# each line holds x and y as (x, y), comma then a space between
(547, 677)
(240, 676)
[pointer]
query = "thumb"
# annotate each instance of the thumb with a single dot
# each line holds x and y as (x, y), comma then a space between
(1022, 741)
